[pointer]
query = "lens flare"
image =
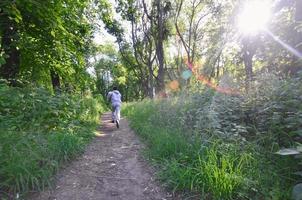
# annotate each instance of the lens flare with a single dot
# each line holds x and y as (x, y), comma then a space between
(286, 46)
(186, 74)
(206, 81)
(174, 85)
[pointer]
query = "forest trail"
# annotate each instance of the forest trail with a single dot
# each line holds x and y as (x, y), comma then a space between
(111, 168)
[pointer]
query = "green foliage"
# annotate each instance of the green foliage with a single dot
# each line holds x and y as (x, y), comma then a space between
(39, 132)
(186, 162)
(210, 169)
(50, 37)
(297, 152)
(111, 70)
(224, 146)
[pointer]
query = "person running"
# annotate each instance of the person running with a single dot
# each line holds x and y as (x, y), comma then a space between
(115, 98)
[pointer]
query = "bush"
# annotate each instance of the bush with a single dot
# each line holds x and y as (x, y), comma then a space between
(187, 162)
(38, 132)
(224, 145)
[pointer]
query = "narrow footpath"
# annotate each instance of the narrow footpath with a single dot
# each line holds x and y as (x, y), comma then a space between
(111, 168)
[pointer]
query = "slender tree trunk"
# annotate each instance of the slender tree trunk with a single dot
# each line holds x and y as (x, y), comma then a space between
(126, 94)
(248, 63)
(248, 54)
(218, 67)
(10, 69)
(55, 80)
(145, 88)
(150, 81)
(160, 47)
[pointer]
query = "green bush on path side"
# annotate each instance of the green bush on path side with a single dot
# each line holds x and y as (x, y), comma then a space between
(203, 143)
(38, 132)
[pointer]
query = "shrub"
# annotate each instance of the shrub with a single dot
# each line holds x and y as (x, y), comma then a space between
(252, 126)
(38, 132)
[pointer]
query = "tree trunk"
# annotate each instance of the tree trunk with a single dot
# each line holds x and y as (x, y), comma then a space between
(55, 80)
(248, 54)
(10, 69)
(160, 47)
(150, 81)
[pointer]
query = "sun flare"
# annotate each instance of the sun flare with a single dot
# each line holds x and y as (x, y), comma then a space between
(254, 16)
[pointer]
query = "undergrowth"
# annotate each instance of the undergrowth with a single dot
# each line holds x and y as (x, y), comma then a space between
(223, 146)
(38, 132)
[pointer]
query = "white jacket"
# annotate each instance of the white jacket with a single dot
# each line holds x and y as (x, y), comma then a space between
(115, 97)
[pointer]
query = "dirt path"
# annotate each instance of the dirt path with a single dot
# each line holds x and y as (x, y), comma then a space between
(110, 169)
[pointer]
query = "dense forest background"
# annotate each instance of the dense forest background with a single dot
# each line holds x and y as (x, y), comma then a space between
(222, 79)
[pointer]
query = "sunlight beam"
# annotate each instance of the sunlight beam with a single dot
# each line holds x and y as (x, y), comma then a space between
(286, 46)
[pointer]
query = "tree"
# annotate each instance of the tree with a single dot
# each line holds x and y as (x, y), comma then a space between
(9, 18)
(192, 34)
(148, 33)
(50, 41)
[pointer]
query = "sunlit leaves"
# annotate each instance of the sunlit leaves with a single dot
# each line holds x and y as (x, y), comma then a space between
(51, 36)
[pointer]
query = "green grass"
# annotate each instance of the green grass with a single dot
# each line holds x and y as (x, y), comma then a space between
(38, 133)
(209, 165)
(188, 164)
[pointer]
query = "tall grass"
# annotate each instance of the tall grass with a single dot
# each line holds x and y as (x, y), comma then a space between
(39, 132)
(188, 163)
(224, 146)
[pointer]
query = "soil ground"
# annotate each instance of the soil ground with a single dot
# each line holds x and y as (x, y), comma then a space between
(111, 168)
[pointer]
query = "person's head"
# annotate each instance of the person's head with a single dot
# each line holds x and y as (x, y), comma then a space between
(114, 88)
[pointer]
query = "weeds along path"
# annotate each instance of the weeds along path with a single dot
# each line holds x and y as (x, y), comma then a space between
(110, 169)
